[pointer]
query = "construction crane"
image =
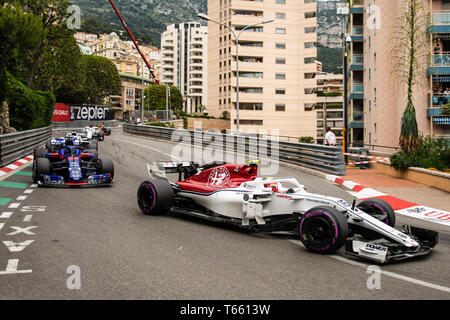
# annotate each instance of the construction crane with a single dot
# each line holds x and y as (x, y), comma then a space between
(152, 72)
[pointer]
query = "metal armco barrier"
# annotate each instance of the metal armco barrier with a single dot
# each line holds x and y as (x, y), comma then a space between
(14, 146)
(83, 124)
(325, 158)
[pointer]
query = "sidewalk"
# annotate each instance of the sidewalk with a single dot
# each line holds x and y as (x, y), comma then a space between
(400, 188)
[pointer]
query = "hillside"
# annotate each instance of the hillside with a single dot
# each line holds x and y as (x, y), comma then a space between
(142, 16)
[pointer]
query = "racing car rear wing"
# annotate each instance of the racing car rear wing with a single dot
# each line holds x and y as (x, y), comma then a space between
(159, 169)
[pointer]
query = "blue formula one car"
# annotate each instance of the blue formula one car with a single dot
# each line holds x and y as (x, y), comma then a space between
(71, 164)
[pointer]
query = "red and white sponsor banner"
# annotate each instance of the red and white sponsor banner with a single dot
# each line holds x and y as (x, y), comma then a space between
(61, 113)
(400, 206)
(15, 165)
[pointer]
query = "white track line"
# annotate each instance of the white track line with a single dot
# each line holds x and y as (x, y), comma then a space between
(6, 215)
(386, 273)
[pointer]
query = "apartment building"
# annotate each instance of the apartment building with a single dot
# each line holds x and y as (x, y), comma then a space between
(134, 73)
(184, 52)
(277, 64)
(330, 105)
(376, 98)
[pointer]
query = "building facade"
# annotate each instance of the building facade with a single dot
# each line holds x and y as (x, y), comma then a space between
(184, 52)
(330, 105)
(377, 99)
(277, 65)
(134, 73)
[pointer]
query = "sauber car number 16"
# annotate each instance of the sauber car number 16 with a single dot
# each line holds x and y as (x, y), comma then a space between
(219, 177)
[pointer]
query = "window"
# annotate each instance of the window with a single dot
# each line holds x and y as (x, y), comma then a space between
(245, 74)
(280, 61)
(280, 91)
(280, 31)
(280, 76)
(250, 106)
(280, 107)
(280, 1)
(130, 92)
(250, 90)
(280, 45)
(309, 45)
(310, 30)
(280, 15)
(311, 14)
(310, 60)
(250, 122)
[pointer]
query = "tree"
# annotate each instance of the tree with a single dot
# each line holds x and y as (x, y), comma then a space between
(61, 69)
(156, 97)
(102, 79)
(19, 33)
(51, 12)
(409, 57)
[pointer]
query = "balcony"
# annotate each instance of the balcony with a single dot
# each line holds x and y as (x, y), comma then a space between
(441, 22)
(358, 116)
(440, 64)
(358, 59)
(357, 30)
(358, 88)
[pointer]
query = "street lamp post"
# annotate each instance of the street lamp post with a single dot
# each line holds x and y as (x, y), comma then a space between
(236, 37)
(343, 10)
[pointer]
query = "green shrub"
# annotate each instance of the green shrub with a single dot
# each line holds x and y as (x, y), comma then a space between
(446, 110)
(428, 154)
(306, 140)
(28, 109)
(336, 93)
(161, 124)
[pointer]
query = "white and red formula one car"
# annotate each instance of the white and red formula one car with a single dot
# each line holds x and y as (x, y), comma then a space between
(233, 193)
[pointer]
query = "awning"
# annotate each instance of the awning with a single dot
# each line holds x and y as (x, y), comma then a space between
(443, 121)
(441, 78)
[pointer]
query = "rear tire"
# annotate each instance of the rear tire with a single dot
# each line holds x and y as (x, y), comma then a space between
(323, 230)
(155, 196)
(40, 153)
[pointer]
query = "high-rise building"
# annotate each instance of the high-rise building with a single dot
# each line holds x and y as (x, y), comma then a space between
(277, 64)
(184, 49)
(377, 99)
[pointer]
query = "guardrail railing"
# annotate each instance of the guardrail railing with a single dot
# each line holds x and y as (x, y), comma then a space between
(14, 146)
(325, 158)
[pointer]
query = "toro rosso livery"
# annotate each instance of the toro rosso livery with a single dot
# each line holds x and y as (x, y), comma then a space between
(71, 164)
(233, 193)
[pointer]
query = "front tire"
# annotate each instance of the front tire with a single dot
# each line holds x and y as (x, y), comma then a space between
(379, 209)
(108, 167)
(43, 166)
(323, 230)
(155, 196)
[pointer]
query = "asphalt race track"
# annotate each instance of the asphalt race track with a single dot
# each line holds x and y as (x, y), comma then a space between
(123, 254)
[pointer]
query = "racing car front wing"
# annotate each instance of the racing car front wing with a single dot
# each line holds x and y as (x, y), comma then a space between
(91, 181)
(383, 251)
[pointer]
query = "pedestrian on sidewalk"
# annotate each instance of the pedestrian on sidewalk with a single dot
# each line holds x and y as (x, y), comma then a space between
(330, 138)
